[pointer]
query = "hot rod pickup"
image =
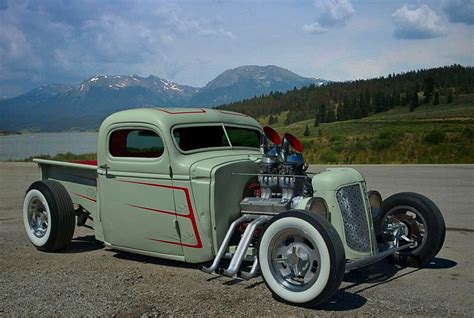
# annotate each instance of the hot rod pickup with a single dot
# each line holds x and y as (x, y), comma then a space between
(201, 185)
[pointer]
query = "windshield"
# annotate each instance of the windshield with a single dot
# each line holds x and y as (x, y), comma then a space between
(201, 137)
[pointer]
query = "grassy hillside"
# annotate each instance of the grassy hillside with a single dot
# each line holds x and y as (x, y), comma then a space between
(431, 134)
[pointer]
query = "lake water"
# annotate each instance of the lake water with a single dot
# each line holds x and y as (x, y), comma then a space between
(17, 147)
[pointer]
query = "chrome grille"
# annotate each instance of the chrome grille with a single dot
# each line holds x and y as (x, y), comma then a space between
(351, 203)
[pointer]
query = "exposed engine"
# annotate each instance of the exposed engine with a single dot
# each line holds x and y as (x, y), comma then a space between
(282, 175)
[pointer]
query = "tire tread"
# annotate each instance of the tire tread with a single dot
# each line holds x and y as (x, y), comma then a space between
(62, 214)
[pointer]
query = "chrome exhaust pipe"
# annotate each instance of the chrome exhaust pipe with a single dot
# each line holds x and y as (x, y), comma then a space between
(243, 246)
(224, 244)
(252, 273)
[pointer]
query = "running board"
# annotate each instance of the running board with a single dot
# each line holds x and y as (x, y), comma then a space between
(240, 253)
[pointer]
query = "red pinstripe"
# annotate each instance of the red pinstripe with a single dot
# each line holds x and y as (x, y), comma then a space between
(189, 216)
(83, 196)
(201, 111)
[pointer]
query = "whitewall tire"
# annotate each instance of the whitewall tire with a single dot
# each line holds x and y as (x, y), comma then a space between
(48, 216)
(301, 258)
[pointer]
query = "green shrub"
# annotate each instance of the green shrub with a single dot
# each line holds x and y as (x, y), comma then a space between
(337, 146)
(390, 134)
(435, 137)
(356, 146)
(381, 144)
(467, 132)
(328, 156)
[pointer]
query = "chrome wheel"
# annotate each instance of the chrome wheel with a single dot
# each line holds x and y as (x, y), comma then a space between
(301, 258)
(294, 260)
(418, 220)
(48, 215)
(411, 224)
(37, 217)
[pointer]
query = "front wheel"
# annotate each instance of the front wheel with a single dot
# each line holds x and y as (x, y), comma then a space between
(302, 258)
(419, 219)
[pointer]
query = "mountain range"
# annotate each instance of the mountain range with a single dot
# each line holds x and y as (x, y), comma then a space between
(58, 107)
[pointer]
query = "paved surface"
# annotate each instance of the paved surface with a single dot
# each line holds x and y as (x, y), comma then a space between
(88, 279)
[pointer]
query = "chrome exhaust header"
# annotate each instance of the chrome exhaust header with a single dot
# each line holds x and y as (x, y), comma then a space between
(239, 255)
(225, 243)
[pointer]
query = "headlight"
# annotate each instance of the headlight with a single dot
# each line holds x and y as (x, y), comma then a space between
(375, 200)
(318, 206)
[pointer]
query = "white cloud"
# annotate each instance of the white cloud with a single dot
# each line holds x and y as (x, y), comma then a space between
(334, 12)
(314, 28)
(419, 23)
(459, 11)
(331, 13)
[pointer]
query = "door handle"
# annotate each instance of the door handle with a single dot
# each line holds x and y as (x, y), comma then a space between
(105, 167)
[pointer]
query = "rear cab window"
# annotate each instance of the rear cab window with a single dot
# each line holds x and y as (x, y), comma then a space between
(195, 138)
(136, 143)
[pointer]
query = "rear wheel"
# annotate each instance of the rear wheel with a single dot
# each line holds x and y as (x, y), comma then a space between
(48, 216)
(421, 221)
(301, 258)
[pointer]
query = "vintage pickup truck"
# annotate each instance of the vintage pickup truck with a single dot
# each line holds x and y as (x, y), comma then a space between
(200, 185)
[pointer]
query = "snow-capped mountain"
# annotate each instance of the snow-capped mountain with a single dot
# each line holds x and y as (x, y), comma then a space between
(58, 107)
(119, 82)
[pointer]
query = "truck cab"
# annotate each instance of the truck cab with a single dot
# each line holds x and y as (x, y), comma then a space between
(162, 186)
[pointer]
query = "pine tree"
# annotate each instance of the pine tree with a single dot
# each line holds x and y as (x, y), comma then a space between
(288, 118)
(356, 112)
(271, 120)
(364, 106)
(316, 123)
(331, 116)
(322, 114)
(436, 98)
(428, 89)
(306, 131)
(450, 97)
(368, 100)
(414, 102)
(380, 101)
(404, 99)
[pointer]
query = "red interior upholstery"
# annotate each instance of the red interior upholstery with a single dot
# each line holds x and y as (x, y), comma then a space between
(86, 162)
(118, 143)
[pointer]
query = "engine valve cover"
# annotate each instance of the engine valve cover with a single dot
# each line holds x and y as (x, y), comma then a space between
(266, 206)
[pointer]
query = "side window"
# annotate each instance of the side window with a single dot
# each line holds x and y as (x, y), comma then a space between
(243, 137)
(141, 143)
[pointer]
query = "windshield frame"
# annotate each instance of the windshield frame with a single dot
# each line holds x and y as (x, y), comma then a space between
(215, 124)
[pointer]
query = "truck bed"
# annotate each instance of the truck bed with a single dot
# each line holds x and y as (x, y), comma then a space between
(79, 178)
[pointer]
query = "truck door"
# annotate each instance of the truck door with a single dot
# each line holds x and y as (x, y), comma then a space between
(136, 190)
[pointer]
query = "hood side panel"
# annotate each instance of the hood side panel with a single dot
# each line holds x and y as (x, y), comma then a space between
(227, 191)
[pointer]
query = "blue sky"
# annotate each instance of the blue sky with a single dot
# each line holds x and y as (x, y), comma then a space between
(190, 42)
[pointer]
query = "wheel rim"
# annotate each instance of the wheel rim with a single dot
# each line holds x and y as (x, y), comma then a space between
(37, 217)
(416, 224)
(294, 259)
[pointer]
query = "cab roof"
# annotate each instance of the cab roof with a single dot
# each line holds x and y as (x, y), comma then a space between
(166, 118)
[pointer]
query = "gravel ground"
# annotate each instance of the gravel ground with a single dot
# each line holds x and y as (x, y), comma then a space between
(89, 279)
